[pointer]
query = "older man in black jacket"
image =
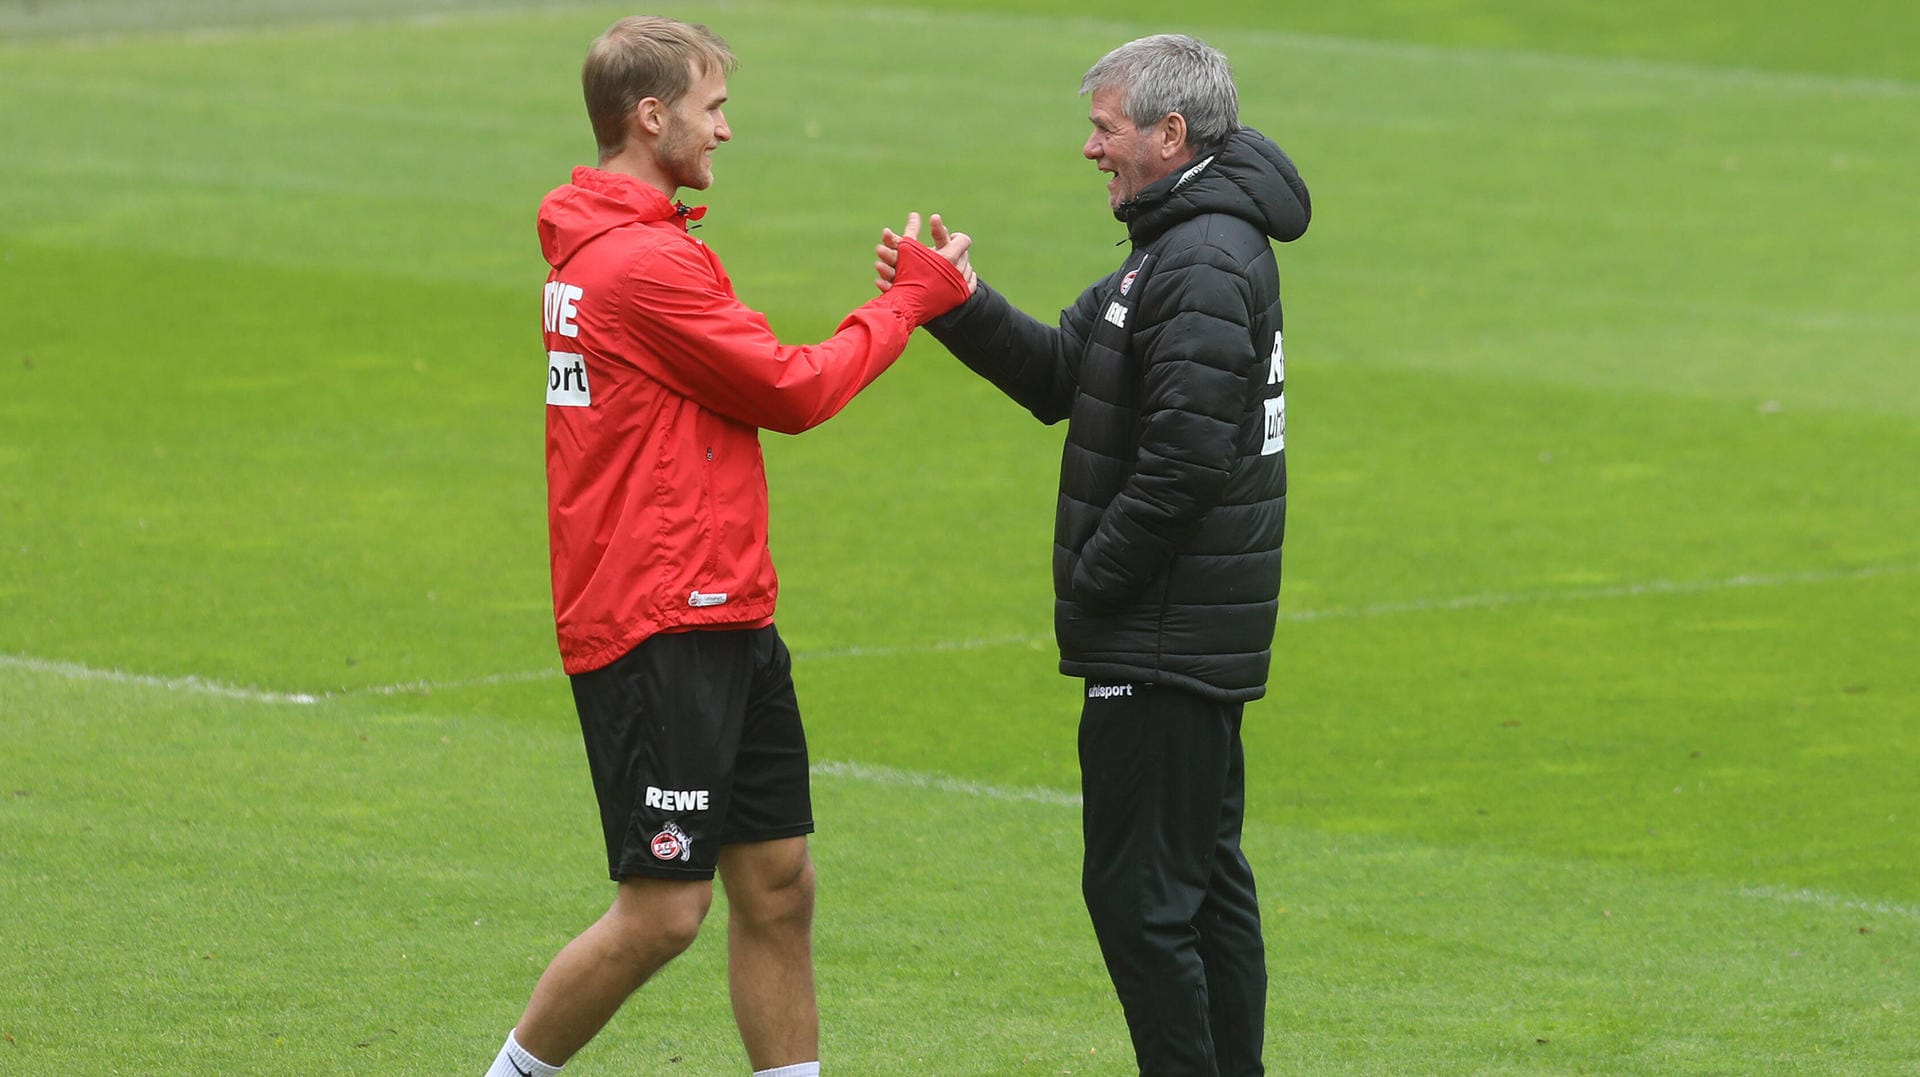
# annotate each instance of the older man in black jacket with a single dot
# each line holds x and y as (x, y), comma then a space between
(1166, 555)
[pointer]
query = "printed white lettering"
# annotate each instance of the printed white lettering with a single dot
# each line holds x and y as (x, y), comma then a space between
(1108, 691)
(1117, 314)
(561, 308)
(1190, 173)
(676, 799)
(1276, 426)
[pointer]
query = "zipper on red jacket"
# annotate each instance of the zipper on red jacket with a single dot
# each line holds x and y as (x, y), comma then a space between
(716, 542)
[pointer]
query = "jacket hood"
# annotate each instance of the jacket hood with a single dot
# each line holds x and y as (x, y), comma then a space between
(1249, 176)
(597, 202)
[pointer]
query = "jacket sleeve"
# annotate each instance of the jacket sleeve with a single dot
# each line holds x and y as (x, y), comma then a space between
(1037, 365)
(1195, 371)
(703, 343)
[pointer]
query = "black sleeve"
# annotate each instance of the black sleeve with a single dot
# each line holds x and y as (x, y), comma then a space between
(1037, 365)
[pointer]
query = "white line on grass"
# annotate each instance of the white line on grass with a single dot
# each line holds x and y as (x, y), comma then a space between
(1496, 599)
(430, 687)
(1821, 899)
(832, 768)
(940, 783)
(1484, 600)
(73, 671)
(856, 651)
(923, 648)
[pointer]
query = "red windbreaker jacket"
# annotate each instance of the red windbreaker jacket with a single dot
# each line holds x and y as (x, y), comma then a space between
(658, 380)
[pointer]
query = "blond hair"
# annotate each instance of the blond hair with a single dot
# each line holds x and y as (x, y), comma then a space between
(644, 56)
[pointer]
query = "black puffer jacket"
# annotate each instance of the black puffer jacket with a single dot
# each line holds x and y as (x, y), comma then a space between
(1173, 479)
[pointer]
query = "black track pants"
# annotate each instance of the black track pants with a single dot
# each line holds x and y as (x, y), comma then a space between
(1171, 896)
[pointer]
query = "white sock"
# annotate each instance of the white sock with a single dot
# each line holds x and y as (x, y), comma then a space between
(798, 1069)
(514, 1061)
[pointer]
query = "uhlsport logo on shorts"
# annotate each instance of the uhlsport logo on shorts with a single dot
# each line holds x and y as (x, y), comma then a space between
(1108, 691)
(672, 843)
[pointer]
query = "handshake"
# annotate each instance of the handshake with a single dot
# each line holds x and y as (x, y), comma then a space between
(951, 246)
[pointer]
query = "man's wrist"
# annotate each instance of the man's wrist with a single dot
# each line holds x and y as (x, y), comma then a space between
(935, 285)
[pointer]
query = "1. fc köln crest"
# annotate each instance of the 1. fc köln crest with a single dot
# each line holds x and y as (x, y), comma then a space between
(672, 843)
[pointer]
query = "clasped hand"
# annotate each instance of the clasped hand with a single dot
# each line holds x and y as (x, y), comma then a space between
(949, 245)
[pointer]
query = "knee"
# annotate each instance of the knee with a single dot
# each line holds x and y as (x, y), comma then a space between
(778, 901)
(660, 923)
(677, 927)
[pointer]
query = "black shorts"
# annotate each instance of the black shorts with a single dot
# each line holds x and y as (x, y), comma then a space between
(695, 742)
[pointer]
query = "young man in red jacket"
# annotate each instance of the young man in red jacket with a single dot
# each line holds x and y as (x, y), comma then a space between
(658, 382)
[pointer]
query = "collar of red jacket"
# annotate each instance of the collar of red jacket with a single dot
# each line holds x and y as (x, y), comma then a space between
(645, 200)
(596, 202)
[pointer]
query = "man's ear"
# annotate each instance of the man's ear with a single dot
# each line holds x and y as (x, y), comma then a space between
(649, 117)
(1173, 137)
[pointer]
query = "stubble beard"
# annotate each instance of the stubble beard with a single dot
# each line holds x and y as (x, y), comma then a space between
(684, 159)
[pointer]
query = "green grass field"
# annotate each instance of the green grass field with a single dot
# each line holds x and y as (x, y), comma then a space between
(1593, 739)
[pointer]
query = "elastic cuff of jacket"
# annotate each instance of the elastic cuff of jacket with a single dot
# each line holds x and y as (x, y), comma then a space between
(948, 283)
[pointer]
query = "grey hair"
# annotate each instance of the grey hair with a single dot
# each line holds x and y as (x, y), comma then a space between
(1168, 73)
